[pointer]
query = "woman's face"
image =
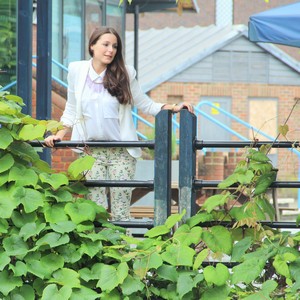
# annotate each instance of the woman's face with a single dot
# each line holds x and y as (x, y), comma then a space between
(105, 49)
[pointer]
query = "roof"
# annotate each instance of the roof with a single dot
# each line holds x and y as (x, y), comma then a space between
(164, 53)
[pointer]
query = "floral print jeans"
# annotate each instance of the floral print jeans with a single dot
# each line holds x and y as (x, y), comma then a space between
(112, 164)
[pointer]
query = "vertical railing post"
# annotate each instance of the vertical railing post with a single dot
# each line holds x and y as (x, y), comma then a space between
(162, 167)
(24, 54)
(43, 70)
(187, 163)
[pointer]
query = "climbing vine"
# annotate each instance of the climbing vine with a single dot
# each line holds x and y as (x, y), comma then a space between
(55, 244)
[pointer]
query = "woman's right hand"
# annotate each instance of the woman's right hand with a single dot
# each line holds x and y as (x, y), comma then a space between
(51, 139)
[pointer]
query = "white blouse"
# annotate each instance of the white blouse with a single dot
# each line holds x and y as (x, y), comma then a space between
(100, 111)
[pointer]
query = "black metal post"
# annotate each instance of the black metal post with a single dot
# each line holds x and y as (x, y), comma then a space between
(187, 163)
(44, 57)
(162, 167)
(24, 54)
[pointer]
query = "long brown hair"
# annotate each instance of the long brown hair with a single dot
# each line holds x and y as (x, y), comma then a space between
(116, 79)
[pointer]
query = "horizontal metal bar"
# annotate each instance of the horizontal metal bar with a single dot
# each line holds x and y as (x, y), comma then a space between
(276, 224)
(275, 184)
(134, 224)
(241, 144)
(81, 144)
(149, 184)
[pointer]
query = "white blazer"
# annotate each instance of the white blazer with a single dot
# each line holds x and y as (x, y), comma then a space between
(72, 115)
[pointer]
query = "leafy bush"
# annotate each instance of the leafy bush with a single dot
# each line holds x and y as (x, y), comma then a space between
(55, 244)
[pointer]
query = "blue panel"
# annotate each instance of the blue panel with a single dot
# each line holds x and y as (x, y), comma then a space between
(279, 25)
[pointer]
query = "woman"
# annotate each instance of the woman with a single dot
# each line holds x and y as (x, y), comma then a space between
(101, 93)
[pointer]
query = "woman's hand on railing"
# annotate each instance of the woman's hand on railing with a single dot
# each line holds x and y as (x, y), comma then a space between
(51, 139)
(175, 108)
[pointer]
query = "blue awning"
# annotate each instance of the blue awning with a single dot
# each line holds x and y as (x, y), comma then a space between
(280, 25)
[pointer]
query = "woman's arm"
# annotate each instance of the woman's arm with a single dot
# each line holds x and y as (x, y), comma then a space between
(51, 139)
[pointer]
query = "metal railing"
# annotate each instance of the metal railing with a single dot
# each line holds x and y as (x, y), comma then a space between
(188, 184)
(161, 184)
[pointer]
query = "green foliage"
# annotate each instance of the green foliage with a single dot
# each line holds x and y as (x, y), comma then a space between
(55, 244)
(8, 49)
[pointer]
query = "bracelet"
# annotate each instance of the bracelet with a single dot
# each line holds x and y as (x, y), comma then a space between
(173, 106)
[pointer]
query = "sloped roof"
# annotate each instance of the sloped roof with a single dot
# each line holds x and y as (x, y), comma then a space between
(163, 53)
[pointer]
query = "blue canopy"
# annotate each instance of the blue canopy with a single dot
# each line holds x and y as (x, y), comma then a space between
(280, 25)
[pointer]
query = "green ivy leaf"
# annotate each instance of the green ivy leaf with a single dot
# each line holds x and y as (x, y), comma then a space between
(55, 213)
(6, 162)
(178, 255)
(200, 217)
(20, 219)
(30, 132)
(52, 293)
(168, 272)
(15, 98)
(31, 229)
(53, 239)
(25, 292)
(110, 276)
(84, 293)
(131, 285)
(158, 231)
(4, 260)
(45, 266)
(247, 271)
(24, 151)
(258, 156)
(264, 181)
(7, 202)
(187, 236)
(20, 269)
(70, 253)
(201, 256)
(218, 239)
(66, 277)
(215, 200)
(9, 282)
(185, 284)
(3, 226)
(295, 269)
(91, 248)
(3, 178)
(7, 109)
(174, 219)
(7, 119)
(23, 176)
(63, 227)
(218, 275)
(268, 287)
(283, 129)
(55, 180)
(81, 165)
(30, 198)
(246, 177)
(240, 248)
(6, 138)
(266, 207)
(216, 293)
(280, 263)
(80, 212)
(143, 264)
(14, 245)
(229, 181)
(60, 195)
